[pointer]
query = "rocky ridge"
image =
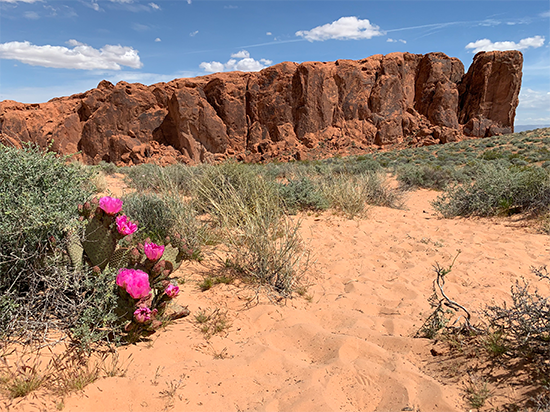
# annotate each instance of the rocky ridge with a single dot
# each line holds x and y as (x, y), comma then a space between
(286, 111)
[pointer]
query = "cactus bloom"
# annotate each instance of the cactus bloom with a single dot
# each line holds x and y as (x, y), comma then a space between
(153, 251)
(142, 315)
(135, 282)
(172, 291)
(125, 226)
(110, 205)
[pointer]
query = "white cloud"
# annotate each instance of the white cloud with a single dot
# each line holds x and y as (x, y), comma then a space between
(158, 39)
(81, 56)
(194, 33)
(20, 1)
(188, 1)
(488, 45)
(545, 14)
(243, 54)
(533, 108)
(93, 4)
(239, 61)
(345, 28)
(268, 33)
(31, 15)
(395, 41)
(140, 27)
(212, 67)
(154, 6)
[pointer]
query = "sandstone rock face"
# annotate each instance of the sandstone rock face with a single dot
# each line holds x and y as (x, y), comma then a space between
(287, 111)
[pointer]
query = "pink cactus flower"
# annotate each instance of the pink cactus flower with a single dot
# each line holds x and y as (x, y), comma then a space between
(135, 282)
(110, 205)
(142, 315)
(125, 226)
(172, 291)
(153, 251)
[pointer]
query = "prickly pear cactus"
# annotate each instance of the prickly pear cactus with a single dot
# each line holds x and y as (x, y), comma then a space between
(99, 242)
(119, 258)
(173, 255)
(75, 249)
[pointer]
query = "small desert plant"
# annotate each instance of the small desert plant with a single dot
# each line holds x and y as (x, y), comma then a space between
(303, 194)
(425, 176)
(145, 177)
(212, 322)
(444, 309)
(263, 246)
(210, 281)
(477, 393)
(39, 194)
(351, 194)
(497, 189)
(525, 323)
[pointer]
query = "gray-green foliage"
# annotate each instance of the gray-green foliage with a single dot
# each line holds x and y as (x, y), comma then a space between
(303, 194)
(497, 189)
(351, 194)
(427, 176)
(39, 196)
(263, 246)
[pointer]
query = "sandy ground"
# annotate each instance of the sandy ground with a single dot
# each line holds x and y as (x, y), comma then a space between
(347, 345)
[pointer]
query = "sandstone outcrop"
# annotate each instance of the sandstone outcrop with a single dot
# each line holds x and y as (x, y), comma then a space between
(286, 111)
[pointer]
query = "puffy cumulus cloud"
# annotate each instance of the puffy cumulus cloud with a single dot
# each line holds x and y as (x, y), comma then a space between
(239, 61)
(80, 56)
(212, 67)
(534, 107)
(488, 45)
(345, 28)
(154, 6)
(157, 40)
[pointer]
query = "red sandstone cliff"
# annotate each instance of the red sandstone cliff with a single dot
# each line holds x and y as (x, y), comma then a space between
(285, 111)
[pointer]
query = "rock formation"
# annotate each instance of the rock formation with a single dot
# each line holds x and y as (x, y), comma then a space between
(287, 111)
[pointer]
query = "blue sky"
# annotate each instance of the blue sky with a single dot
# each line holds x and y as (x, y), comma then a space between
(52, 48)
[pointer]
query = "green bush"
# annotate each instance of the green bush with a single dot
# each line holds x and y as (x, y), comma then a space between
(263, 246)
(351, 194)
(497, 189)
(303, 194)
(425, 176)
(39, 196)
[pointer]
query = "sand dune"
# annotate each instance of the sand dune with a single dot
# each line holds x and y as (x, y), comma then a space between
(349, 345)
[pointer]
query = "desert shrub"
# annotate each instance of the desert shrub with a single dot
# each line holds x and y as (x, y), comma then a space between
(156, 219)
(231, 191)
(145, 177)
(97, 319)
(263, 246)
(165, 214)
(525, 323)
(303, 194)
(39, 195)
(497, 189)
(107, 168)
(426, 176)
(351, 194)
